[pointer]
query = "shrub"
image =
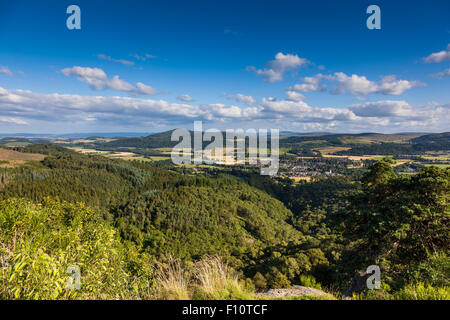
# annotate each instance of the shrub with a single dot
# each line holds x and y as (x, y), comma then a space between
(40, 241)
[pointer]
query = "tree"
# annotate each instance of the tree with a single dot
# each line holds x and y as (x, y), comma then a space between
(396, 221)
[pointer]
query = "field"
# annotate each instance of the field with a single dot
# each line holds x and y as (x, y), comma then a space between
(10, 158)
(120, 155)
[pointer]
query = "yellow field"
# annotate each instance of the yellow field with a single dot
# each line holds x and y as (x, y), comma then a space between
(327, 150)
(89, 151)
(297, 179)
(355, 158)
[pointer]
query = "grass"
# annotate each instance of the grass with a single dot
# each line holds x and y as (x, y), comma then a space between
(172, 282)
(208, 279)
(417, 291)
(6, 154)
(11, 158)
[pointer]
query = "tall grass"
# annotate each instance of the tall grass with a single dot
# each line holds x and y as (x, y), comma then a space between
(171, 281)
(208, 279)
(215, 281)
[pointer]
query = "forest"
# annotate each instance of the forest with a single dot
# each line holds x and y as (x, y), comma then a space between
(133, 226)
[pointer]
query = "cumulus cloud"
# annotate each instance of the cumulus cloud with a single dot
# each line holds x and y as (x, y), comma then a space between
(239, 97)
(5, 71)
(294, 96)
(24, 104)
(388, 108)
(438, 56)
(97, 79)
(185, 98)
(401, 113)
(144, 89)
(356, 84)
(310, 84)
(108, 58)
(19, 107)
(275, 69)
(300, 110)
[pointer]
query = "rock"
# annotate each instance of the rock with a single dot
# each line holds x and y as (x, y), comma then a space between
(294, 291)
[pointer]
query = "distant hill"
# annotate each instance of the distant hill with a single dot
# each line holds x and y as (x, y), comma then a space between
(75, 135)
(433, 138)
(157, 140)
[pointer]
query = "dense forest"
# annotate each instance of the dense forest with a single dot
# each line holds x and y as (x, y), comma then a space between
(121, 221)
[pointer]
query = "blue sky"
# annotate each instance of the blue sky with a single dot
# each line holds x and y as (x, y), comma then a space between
(149, 66)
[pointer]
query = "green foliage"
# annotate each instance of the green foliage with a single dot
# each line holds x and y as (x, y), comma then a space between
(259, 282)
(421, 291)
(40, 241)
(396, 221)
(309, 281)
(117, 219)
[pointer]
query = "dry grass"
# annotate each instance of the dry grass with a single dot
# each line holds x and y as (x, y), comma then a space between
(13, 158)
(215, 280)
(209, 279)
(172, 282)
(6, 154)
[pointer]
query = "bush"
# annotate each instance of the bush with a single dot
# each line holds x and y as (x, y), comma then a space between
(40, 241)
(420, 291)
(309, 281)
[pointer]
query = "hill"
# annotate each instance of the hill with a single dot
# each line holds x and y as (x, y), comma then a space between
(433, 138)
(10, 158)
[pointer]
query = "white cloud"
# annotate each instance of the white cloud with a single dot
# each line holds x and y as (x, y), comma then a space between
(310, 84)
(294, 96)
(400, 113)
(391, 86)
(145, 89)
(122, 61)
(18, 107)
(24, 104)
(239, 97)
(119, 85)
(185, 98)
(388, 108)
(356, 84)
(438, 56)
(280, 65)
(97, 79)
(301, 110)
(5, 71)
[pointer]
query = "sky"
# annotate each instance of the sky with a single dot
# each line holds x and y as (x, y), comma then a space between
(150, 66)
